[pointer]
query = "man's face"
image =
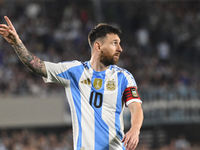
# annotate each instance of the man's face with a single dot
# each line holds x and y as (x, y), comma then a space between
(110, 50)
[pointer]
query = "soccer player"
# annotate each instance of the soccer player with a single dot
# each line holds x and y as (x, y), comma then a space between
(97, 90)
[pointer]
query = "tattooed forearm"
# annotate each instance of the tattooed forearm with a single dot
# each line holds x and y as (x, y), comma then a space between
(38, 66)
(31, 61)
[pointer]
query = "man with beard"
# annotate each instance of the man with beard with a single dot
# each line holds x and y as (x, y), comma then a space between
(97, 90)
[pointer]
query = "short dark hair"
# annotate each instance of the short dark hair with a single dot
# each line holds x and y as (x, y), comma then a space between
(101, 30)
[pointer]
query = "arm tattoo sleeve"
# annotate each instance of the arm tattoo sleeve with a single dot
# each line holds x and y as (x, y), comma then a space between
(31, 61)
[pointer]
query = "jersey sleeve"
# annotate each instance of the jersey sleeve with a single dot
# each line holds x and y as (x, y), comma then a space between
(54, 71)
(131, 93)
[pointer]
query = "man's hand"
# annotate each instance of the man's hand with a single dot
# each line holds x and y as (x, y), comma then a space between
(131, 139)
(9, 32)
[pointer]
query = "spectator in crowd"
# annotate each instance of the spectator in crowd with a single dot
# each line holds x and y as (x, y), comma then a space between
(182, 143)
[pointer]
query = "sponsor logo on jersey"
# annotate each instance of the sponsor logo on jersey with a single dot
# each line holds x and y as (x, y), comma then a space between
(97, 83)
(111, 86)
(86, 81)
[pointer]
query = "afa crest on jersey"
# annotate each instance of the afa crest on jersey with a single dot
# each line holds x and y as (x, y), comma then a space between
(111, 86)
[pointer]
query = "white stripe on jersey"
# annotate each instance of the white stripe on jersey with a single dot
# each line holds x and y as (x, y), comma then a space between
(111, 96)
(87, 122)
(75, 126)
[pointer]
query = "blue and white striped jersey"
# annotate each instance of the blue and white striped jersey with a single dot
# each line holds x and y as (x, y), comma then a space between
(95, 100)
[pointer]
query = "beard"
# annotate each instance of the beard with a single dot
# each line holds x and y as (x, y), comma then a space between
(107, 59)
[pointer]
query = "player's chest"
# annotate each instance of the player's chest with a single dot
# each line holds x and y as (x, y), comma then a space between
(103, 83)
(100, 90)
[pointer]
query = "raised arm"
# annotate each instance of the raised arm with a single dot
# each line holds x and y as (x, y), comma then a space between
(30, 60)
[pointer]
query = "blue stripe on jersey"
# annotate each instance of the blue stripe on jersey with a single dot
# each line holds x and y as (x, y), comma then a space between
(122, 84)
(74, 74)
(101, 128)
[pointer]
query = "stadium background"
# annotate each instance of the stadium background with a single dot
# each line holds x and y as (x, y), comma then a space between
(161, 43)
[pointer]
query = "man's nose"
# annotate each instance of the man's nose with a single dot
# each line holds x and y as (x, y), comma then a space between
(120, 48)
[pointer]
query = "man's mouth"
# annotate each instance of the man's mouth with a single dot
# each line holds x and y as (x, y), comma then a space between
(116, 55)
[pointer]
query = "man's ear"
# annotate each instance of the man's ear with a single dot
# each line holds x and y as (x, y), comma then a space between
(97, 46)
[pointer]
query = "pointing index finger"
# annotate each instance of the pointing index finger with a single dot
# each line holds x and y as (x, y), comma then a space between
(8, 21)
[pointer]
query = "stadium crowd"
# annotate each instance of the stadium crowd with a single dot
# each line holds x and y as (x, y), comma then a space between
(35, 140)
(30, 139)
(161, 41)
(161, 46)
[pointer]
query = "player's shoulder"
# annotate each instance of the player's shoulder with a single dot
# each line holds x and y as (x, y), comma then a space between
(75, 63)
(71, 62)
(121, 70)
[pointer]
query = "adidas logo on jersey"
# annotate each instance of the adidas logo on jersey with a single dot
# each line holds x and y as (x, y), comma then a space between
(86, 81)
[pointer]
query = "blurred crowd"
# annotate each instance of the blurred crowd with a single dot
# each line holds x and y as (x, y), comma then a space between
(160, 40)
(43, 139)
(30, 139)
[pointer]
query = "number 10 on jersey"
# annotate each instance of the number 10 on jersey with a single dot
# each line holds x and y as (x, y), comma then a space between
(96, 99)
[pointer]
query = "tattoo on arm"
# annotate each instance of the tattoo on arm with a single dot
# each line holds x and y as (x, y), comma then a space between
(31, 61)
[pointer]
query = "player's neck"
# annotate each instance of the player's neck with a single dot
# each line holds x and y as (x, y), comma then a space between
(97, 65)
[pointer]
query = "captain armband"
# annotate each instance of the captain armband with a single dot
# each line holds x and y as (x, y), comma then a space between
(131, 95)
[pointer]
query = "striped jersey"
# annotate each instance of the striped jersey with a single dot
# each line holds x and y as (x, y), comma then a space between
(96, 102)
